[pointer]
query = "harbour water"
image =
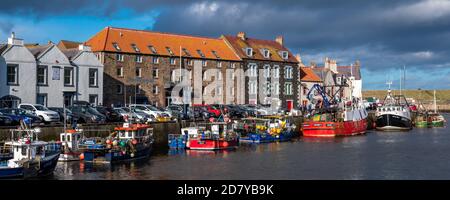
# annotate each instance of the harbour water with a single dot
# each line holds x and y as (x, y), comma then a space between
(417, 154)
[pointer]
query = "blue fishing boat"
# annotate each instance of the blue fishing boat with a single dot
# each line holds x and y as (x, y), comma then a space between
(128, 142)
(177, 141)
(30, 156)
(265, 130)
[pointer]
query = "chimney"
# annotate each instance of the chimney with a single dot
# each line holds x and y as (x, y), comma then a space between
(50, 42)
(15, 41)
(299, 59)
(83, 47)
(279, 40)
(241, 35)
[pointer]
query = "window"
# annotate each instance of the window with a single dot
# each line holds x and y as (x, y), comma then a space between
(173, 61)
(253, 87)
(119, 71)
(68, 76)
(155, 89)
(155, 60)
(169, 51)
(152, 49)
(266, 53)
(276, 71)
(139, 59)
(219, 64)
(204, 63)
(200, 53)
(41, 99)
(304, 90)
(190, 62)
(56, 73)
(215, 54)
(93, 77)
(219, 90)
(155, 73)
(288, 72)
(219, 75)
(119, 89)
(186, 52)
(135, 48)
(266, 71)
(284, 54)
(116, 46)
(93, 99)
(288, 88)
(249, 52)
(119, 57)
(253, 70)
(233, 65)
(267, 88)
(42, 75)
(138, 72)
(276, 88)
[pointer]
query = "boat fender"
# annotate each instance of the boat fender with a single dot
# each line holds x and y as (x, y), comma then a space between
(81, 156)
(134, 142)
(132, 155)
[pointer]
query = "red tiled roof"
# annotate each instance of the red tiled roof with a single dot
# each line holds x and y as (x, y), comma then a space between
(103, 41)
(308, 75)
(65, 44)
(257, 45)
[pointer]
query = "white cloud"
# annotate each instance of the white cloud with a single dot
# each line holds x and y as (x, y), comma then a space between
(427, 10)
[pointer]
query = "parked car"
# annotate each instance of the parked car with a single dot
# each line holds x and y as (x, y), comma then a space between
(214, 110)
(70, 116)
(42, 112)
(5, 120)
(111, 114)
(18, 114)
(87, 114)
(149, 109)
(201, 112)
(234, 111)
(178, 111)
(139, 115)
(248, 110)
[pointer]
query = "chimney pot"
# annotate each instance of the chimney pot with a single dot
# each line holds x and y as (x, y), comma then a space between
(279, 40)
(241, 35)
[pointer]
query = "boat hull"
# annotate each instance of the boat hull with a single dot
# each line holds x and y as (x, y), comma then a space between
(389, 122)
(211, 144)
(111, 155)
(266, 138)
(333, 129)
(36, 169)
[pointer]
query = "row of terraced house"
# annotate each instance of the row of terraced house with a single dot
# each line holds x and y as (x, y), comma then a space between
(120, 66)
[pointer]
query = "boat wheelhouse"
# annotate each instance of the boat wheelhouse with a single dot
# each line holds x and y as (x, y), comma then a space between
(70, 140)
(394, 114)
(30, 156)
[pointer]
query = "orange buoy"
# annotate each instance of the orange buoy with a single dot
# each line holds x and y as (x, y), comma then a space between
(134, 141)
(81, 156)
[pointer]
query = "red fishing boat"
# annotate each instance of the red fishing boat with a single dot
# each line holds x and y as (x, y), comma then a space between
(213, 136)
(335, 119)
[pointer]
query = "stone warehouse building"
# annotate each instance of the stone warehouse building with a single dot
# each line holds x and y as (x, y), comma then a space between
(45, 74)
(277, 64)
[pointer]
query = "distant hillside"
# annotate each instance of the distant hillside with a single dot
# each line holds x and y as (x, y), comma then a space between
(442, 96)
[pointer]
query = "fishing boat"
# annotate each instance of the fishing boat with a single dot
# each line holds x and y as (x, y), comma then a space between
(30, 156)
(394, 114)
(127, 142)
(437, 120)
(264, 130)
(334, 118)
(70, 140)
(210, 136)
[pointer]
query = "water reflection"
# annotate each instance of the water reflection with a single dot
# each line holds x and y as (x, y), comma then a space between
(417, 154)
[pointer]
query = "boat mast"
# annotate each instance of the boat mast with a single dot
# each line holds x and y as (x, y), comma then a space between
(435, 110)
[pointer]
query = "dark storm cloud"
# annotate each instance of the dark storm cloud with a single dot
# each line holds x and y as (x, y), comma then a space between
(381, 34)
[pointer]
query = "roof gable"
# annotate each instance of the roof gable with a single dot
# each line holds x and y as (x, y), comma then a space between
(308, 75)
(258, 46)
(50, 54)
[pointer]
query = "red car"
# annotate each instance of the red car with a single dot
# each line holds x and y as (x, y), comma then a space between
(213, 109)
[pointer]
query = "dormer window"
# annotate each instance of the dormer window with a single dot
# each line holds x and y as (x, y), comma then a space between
(186, 52)
(215, 54)
(170, 51)
(249, 52)
(284, 55)
(116, 46)
(135, 48)
(152, 49)
(200, 53)
(266, 53)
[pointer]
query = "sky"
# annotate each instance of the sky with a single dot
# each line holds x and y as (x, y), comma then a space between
(383, 35)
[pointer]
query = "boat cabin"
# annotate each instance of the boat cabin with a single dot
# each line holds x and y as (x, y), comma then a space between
(71, 138)
(215, 130)
(133, 131)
